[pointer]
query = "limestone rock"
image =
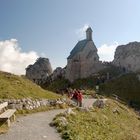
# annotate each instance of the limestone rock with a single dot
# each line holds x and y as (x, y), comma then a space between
(116, 111)
(128, 57)
(39, 71)
(63, 121)
(58, 73)
(99, 103)
(69, 111)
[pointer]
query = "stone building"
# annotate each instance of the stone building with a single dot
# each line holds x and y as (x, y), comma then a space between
(83, 60)
(128, 57)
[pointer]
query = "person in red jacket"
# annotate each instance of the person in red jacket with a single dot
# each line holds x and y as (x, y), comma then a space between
(80, 97)
(75, 96)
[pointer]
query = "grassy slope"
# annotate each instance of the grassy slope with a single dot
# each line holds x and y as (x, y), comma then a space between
(57, 85)
(101, 124)
(13, 86)
(126, 86)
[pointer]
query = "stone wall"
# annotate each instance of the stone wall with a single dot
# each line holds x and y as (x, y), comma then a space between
(29, 104)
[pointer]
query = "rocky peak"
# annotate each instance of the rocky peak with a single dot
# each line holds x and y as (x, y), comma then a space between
(58, 73)
(128, 56)
(40, 70)
(132, 48)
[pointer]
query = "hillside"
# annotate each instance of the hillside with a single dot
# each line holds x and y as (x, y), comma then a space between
(84, 83)
(13, 86)
(113, 122)
(127, 87)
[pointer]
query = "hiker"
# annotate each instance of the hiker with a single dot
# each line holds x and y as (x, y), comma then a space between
(75, 96)
(80, 97)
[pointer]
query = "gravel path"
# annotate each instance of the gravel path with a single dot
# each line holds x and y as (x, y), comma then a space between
(89, 102)
(33, 127)
(36, 126)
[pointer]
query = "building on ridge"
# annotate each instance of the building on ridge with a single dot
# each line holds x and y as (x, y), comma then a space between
(83, 60)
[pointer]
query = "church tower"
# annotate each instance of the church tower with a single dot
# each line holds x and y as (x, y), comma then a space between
(89, 34)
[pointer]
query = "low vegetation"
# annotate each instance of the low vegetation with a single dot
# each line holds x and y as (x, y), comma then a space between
(85, 83)
(57, 85)
(127, 87)
(13, 86)
(113, 122)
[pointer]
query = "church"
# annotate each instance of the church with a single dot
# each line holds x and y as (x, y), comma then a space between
(83, 60)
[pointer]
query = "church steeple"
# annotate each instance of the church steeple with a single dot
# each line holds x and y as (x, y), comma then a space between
(89, 33)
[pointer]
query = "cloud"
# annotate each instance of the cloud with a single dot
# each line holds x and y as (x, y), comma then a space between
(81, 32)
(106, 52)
(12, 59)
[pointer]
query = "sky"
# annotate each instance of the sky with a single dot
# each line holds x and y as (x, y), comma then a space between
(51, 28)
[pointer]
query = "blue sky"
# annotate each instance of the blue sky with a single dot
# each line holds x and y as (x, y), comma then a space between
(51, 28)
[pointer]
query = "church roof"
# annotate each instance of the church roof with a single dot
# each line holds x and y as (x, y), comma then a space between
(79, 47)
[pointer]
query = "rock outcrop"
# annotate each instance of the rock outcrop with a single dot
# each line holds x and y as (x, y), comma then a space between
(39, 71)
(58, 73)
(83, 60)
(128, 57)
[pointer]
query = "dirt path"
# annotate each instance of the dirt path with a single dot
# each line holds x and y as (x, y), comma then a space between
(33, 127)
(89, 102)
(36, 126)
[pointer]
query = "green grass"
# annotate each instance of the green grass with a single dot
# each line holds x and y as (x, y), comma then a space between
(17, 87)
(101, 124)
(13, 86)
(58, 85)
(112, 70)
(84, 83)
(126, 87)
